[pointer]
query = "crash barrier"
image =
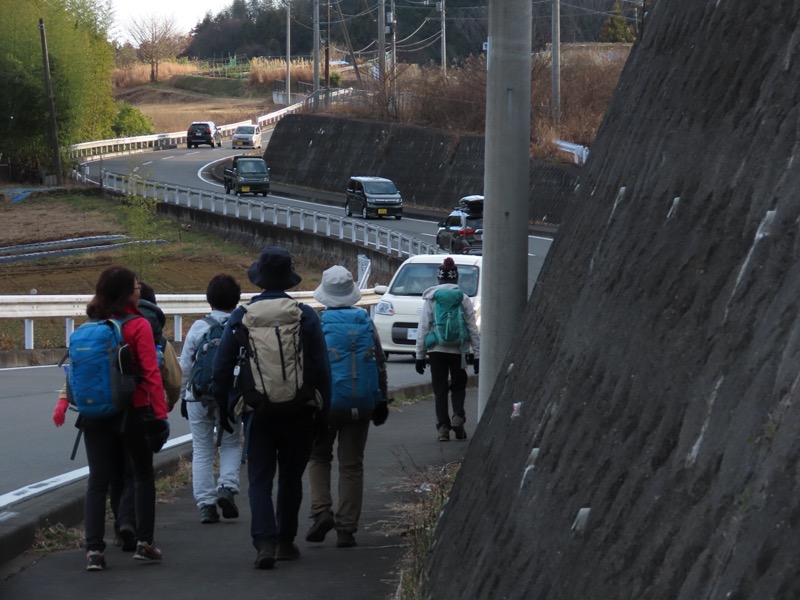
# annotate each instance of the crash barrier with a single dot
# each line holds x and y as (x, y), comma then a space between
(71, 307)
(160, 141)
(261, 210)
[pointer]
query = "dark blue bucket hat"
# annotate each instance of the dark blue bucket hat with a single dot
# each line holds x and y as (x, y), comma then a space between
(273, 270)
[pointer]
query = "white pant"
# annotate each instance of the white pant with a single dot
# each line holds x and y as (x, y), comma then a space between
(202, 422)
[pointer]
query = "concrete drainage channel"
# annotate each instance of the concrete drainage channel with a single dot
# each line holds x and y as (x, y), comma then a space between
(98, 243)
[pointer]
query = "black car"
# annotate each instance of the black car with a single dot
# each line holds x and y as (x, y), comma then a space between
(462, 231)
(203, 132)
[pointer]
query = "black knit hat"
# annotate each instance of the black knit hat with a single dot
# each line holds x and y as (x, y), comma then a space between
(448, 271)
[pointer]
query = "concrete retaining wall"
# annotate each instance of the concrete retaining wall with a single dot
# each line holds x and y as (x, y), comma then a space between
(432, 168)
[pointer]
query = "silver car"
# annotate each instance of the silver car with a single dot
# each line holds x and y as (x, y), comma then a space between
(246, 136)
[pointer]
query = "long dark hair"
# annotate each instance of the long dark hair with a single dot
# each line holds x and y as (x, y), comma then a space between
(112, 292)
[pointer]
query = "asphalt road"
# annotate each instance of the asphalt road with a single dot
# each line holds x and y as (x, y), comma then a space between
(192, 168)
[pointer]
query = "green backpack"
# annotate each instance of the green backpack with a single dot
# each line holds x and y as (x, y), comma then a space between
(449, 326)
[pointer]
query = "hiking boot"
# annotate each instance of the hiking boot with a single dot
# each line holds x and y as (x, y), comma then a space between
(458, 427)
(444, 434)
(146, 552)
(323, 523)
(95, 560)
(265, 558)
(345, 539)
(287, 551)
(227, 503)
(127, 535)
(209, 514)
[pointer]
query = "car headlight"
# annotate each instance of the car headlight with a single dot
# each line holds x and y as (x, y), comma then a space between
(385, 308)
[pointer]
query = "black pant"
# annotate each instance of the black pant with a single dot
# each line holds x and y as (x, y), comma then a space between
(109, 444)
(448, 374)
(279, 445)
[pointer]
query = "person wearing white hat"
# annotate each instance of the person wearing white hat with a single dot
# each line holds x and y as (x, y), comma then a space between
(359, 395)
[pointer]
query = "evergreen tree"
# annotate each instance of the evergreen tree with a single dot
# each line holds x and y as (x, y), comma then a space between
(616, 28)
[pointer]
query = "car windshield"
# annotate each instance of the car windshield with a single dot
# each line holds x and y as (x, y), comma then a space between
(245, 130)
(252, 166)
(415, 278)
(379, 187)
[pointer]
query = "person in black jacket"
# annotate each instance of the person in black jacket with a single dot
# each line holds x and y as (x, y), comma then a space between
(275, 443)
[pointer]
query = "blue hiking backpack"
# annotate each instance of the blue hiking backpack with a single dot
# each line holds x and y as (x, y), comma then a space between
(201, 380)
(354, 369)
(449, 326)
(100, 379)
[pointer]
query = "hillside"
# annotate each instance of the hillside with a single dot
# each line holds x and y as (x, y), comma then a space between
(654, 455)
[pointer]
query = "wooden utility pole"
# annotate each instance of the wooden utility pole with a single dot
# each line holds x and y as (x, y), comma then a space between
(48, 84)
(444, 37)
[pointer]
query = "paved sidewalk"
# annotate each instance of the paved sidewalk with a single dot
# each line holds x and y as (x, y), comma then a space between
(216, 561)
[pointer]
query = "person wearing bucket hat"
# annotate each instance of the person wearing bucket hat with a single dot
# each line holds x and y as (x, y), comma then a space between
(358, 374)
(274, 441)
(446, 331)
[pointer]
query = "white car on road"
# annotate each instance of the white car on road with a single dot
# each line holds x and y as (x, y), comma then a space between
(397, 314)
(246, 136)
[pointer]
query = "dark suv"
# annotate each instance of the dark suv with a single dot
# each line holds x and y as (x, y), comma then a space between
(203, 132)
(462, 231)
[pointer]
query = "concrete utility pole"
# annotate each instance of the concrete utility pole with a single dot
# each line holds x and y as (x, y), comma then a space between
(48, 84)
(288, 53)
(440, 6)
(393, 23)
(328, 51)
(556, 54)
(382, 44)
(315, 87)
(506, 186)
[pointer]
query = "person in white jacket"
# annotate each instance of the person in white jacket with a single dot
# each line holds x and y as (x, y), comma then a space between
(447, 360)
(223, 295)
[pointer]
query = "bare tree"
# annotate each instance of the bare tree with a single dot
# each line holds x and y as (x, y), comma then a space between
(158, 39)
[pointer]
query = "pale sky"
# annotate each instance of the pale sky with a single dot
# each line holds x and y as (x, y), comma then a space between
(187, 13)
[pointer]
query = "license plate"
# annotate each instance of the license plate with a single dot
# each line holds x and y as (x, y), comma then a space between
(245, 188)
(240, 143)
(412, 334)
(382, 211)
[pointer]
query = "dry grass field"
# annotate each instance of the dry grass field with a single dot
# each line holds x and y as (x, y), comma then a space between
(184, 265)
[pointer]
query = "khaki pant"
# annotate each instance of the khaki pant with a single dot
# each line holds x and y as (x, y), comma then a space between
(352, 439)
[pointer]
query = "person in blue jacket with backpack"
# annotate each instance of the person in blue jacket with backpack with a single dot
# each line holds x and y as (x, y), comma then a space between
(358, 374)
(276, 442)
(200, 408)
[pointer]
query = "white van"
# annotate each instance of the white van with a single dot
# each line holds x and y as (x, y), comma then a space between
(397, 314)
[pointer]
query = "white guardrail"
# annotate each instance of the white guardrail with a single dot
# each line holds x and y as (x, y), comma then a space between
(30, 307)
(143, 143)
(579, 153)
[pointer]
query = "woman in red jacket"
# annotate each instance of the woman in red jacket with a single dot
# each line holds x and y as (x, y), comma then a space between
(110, 441)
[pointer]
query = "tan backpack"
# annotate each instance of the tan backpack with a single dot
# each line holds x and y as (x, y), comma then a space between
(270, 369)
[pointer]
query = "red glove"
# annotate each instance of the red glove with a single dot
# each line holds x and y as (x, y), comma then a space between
(60, 412)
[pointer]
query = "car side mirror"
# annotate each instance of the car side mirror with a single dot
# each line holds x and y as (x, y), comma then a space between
(380, 289)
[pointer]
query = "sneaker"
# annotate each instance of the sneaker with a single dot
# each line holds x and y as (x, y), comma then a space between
(458, 427)
(265, 558)
(227, 503)
(146, 552)
(323, 523)
(209, 514)
(127, 535)
(287, 551)
(345, 539)
(444, 434)
(95, 560)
